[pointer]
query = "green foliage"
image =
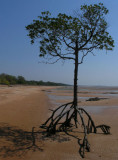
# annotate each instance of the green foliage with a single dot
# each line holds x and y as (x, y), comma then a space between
(6, 79)
(21, 80)
(80, 34)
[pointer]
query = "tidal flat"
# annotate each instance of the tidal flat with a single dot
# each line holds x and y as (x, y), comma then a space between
(24, 107)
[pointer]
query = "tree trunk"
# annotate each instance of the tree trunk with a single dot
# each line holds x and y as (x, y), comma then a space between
(75, 79)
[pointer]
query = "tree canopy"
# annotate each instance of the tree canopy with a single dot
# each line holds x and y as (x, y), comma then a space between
(63, 36)
(6, 79)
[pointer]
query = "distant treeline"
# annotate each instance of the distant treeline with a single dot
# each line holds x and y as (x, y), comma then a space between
(6, 79)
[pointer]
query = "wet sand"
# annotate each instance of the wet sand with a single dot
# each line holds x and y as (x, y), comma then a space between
(24, 107)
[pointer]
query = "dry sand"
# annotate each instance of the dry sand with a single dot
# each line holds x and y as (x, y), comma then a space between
(24, 107)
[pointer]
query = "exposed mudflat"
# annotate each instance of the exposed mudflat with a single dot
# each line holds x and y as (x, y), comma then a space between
(24, 107)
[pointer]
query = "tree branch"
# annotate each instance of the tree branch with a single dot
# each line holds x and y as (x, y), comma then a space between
(92, 32)
(68, 45)
(50, 62)
(84, 55)
(61, 56)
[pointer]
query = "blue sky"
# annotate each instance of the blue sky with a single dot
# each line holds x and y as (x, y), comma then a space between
(19, 57)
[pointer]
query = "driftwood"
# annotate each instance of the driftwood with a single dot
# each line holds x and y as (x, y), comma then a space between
(66, 117)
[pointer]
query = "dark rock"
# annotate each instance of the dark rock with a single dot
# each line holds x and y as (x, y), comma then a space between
(95, 99)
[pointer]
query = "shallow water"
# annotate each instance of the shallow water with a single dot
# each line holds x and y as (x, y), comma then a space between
(104, 92)
(98, 109)
(55, 97)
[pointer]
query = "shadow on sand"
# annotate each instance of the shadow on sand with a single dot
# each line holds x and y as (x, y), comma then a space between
(17, 142)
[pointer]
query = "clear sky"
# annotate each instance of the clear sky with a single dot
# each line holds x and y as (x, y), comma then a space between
(19, 57)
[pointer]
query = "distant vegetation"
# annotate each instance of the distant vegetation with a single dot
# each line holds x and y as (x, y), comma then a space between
(6, 79)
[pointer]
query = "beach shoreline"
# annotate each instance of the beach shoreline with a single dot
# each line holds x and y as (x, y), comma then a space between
(28, 106)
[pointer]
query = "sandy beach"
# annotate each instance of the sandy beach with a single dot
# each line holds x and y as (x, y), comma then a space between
(24, 107)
